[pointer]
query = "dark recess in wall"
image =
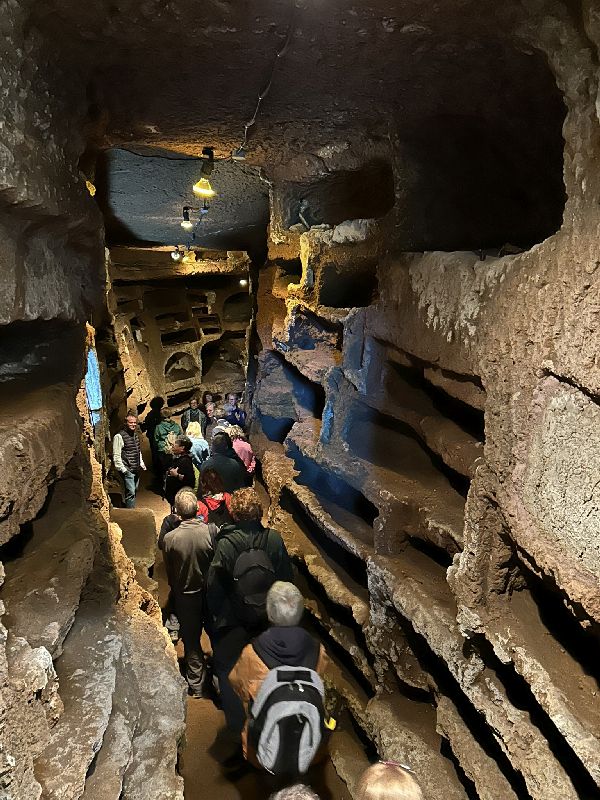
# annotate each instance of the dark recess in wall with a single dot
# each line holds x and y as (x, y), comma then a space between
(329, 486)
(40, 353)
(372, 434)
(474, 183)
(307, 394)
(348, 288)
(276, 428)
(365, 193)
(469, 418)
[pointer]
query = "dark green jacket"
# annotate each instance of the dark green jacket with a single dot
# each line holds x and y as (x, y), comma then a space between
(230, 542)
(162, 430)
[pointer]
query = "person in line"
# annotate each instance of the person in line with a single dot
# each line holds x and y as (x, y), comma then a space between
(233, 413)
(243, 448)
(235, 614)
(181, 472)
(127, 458)
(297, 792)
(211, 421)
(169, 523)
(200, 450)
(171, 520)
(161, 435)
(214, 504)
(222, 425)
(148, 426)
(388, 780)
(226, 463)
(193, 414)
(283, 644)
(187, 552)
(207, 397)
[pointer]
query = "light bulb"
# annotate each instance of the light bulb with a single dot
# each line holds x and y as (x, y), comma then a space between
(175, 255)
(243, 282)
(203, 188)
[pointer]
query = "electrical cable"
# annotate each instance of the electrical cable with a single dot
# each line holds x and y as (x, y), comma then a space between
(265, 91)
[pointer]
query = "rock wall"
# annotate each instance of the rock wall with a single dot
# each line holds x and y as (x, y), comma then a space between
(79, 714)
(427, 425)
(186, 331)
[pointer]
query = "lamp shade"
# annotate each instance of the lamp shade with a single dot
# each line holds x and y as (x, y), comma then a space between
(203, 188)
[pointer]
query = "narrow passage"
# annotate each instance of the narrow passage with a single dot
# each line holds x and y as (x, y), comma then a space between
(199, 765)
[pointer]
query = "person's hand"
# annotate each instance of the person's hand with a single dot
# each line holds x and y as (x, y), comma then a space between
(173, 472)
(144, 468)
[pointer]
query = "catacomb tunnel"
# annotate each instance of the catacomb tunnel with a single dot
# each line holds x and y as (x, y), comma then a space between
(378, 225)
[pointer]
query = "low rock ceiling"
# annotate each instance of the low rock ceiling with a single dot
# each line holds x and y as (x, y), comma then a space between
(142, 194)
(186, 73)
(419, 78)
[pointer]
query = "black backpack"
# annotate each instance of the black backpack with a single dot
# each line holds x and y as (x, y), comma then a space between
(253, 576)
(286, 721)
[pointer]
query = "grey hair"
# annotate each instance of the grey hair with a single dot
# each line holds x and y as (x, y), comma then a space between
(285, 604)
(186, 504)
(297, 792)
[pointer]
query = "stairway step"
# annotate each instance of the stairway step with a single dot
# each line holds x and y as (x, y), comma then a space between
(138, 526)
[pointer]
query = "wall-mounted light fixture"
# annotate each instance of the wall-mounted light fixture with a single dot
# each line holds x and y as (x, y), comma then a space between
(243, 282)
(202, 187)
(186, 223)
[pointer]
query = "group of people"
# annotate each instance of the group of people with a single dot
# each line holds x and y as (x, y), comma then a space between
(235, 581)
(232, 577)
(183, 453)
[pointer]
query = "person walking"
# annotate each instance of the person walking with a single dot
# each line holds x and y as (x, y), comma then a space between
(181, 472)
(244, 449)
(148, 426)
(127, 458)
(225, 461)
(248, 559)
(193, 414)
(214, 503)
(211, 420)
(187, 552)
(283, 644)
(161, 435)
(200, 450)
(233, 413)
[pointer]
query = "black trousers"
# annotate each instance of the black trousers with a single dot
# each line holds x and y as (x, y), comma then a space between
(227, 645)
(190, 613)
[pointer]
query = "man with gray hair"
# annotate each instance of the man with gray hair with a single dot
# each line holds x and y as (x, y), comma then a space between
(283, 644)
(187, 553)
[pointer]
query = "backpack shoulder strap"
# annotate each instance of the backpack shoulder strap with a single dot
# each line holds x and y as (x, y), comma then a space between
(213, 531)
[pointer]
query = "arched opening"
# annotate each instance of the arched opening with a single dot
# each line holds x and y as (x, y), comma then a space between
(237, 307)
(363, 193)
(181, 367)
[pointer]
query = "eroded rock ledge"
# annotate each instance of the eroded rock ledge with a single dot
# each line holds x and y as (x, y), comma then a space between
(459, 610)
(93, 696)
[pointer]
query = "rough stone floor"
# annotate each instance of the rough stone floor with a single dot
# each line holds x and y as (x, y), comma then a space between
(199, 766)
